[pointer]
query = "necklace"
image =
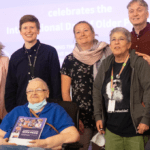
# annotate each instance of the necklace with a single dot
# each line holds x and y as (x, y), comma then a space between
(123, 65)
(118, 75)
(32, 67)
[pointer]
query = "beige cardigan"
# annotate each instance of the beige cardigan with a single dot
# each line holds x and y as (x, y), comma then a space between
(3, 73)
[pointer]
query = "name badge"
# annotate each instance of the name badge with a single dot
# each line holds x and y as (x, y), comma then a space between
(111, 105)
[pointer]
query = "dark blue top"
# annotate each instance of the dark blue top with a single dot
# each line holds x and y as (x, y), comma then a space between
(47, 67)
(55, 114)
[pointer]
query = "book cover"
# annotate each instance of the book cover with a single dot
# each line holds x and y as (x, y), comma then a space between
(27, 129)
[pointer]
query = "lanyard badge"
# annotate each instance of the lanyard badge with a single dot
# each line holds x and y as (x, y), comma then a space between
(32, 66)
(112, 102)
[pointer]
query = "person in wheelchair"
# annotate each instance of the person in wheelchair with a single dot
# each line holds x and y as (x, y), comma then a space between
(37, 92)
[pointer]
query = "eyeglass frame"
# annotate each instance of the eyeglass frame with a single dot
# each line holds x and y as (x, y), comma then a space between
(121, 39)
(38, 90)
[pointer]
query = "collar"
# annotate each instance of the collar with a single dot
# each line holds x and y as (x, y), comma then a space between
(142, 32)
(111, 58)
(31, 50)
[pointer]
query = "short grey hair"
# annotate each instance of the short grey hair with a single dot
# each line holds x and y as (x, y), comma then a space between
(39, 79)
(123, 30)
(141, 2)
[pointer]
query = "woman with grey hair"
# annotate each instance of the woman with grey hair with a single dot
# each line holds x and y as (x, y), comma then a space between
(3, 73)
(121, 94)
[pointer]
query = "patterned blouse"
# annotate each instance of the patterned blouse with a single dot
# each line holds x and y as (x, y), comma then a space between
(82, 87)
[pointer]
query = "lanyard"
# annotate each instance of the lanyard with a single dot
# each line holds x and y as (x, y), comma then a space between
(37, 116)
(118, 75)
(32, 67)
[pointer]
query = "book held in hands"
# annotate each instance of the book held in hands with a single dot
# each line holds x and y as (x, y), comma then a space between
(27, 129)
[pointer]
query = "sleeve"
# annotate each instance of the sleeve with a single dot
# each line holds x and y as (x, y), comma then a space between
(61, 119)
(144, 79)
(8, 122)
(11, 87)
(66, 67)
(55, 80)
(97, 95)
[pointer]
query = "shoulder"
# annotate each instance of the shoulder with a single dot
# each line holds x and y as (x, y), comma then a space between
(137, 61)
(69, 57)
(17, 53)
(68, 61)
(108, 60)
(4, 59)
(48, 51)
(106, 64)
(107, 51)
(55, 109)
(53, 106)
(19, 108)
(17, 111)
(48, 47)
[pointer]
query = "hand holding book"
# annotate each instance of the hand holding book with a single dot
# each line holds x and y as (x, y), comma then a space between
(5, 142)
(27, 129)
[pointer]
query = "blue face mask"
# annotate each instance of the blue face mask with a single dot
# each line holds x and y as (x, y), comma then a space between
(37, 106)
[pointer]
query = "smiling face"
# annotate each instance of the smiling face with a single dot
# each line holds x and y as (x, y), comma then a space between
(29, 32)
(119, 45)
(84, 35)
(138, 14)
(36, 96)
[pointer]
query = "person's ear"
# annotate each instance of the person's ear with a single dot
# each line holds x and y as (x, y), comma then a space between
(47, 95)
(38, 31)
(147, 14)
(129, 46)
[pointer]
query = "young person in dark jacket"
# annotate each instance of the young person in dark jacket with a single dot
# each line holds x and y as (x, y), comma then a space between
(34, 59)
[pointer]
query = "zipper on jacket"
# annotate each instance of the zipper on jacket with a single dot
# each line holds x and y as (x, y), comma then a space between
(130, 101)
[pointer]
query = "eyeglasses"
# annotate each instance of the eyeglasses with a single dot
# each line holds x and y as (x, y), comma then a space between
(36, 91)
(119, 39)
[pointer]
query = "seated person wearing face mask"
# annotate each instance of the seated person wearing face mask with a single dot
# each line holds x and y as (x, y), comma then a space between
(37, 92)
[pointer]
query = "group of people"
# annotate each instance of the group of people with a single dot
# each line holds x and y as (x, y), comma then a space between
(110, 83)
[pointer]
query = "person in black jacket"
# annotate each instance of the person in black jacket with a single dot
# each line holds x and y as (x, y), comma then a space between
(34, 59)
